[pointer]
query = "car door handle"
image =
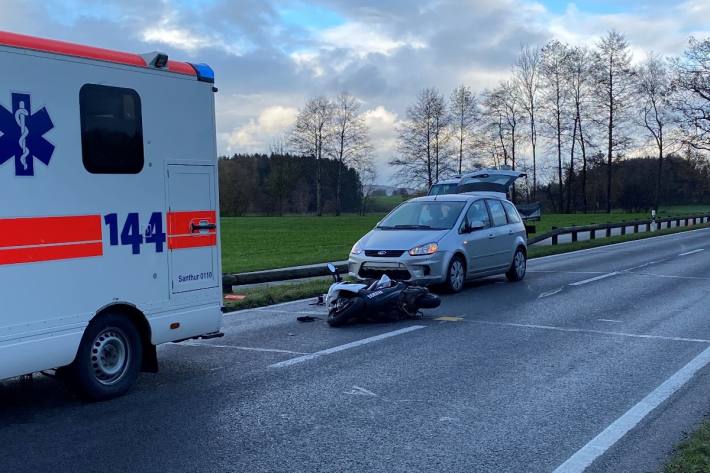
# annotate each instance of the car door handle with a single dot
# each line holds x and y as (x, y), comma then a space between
(510, 232)
(202, 226)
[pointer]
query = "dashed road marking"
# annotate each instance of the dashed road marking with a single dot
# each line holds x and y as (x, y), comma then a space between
(592, 331)
(234, 347)
(692, 252)
(609, 320)
(347, 346)
(550, 293)
(595, 278)
(596, 447)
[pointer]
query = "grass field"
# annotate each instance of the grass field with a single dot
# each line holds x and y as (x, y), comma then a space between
(255, 243)
(693, 455)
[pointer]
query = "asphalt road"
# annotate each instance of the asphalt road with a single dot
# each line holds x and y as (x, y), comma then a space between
(597, 358)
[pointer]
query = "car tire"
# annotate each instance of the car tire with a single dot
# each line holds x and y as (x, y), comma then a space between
(348, 309)
(518, 267)
(108, 360)
(456, 274)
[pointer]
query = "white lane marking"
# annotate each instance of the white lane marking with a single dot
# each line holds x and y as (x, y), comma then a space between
(596, 447)
(347, 346)
(595, 278)
(358, 391)
(560, 271)
(645, 265)
(595, 332)
(609, 320)
(670, 276)
(550, 293)
(692, 252)
(266, 350)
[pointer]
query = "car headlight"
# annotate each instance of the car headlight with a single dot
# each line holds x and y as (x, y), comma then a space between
(428, 249)
(356, 250)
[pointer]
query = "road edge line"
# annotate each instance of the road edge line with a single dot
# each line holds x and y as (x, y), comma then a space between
(600, 444)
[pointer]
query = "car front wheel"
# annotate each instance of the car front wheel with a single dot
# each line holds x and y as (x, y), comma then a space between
(456, 274)
(518, 267)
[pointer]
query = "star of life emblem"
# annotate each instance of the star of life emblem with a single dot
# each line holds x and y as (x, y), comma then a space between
(22, 135)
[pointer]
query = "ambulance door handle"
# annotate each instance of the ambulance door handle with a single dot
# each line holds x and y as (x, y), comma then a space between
(202, 226)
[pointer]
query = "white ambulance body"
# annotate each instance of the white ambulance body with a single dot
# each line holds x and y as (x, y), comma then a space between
(108, 211)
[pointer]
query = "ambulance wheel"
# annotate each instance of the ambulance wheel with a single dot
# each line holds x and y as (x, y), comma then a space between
(108, 360)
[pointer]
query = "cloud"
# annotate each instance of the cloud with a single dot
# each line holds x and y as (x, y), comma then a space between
(382, 124)
(271, 125)
(270, 56)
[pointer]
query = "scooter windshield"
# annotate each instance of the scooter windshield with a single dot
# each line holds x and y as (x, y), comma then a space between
(384, 282)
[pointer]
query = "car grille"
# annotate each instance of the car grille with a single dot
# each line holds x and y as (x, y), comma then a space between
(384, 253)
(396, 274)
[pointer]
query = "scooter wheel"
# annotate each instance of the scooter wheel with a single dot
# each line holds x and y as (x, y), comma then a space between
(345, 310)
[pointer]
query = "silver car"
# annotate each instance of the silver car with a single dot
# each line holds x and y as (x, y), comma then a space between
(444, 239)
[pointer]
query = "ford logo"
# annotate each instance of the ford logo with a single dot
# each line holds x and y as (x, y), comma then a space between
(381, 253)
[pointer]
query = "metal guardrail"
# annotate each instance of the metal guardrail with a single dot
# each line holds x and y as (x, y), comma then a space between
(281, 274)
(316, 270)
(555, 233)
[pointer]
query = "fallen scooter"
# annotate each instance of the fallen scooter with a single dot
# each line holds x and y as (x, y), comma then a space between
(382, 299)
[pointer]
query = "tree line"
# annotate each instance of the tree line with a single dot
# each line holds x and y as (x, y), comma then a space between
(573, 103)
(279, 184)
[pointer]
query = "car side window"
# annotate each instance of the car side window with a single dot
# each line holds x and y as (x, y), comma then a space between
(511, 212)
(477, 212)
(497, 213)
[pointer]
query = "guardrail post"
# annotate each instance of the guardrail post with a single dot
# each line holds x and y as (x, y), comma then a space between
(623, 227)
(636, 227)
(554, 237)
(608, 232)
(592, 234)
(574, 236)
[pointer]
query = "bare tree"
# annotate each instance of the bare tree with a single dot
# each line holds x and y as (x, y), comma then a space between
(655, 93)
(693, 99)
(553, 68)
(578, 70)
(366, 170)
(423, 139)
(464, 115)
(527, 78)
(350, 139)
(614, 86)
(311, 135)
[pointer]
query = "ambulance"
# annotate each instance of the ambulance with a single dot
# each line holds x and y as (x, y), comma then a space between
(108, 211)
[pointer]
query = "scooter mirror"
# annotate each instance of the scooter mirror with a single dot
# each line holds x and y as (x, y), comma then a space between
(331, 268)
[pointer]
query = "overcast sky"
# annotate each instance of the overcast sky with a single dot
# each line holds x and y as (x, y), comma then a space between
(269, 56)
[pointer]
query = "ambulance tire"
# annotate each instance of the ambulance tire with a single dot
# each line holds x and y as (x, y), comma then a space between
(108, 360)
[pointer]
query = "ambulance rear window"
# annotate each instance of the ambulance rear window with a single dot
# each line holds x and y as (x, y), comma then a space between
(111, 130)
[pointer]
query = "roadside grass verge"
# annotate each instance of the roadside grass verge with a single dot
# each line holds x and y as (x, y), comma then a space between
(256, 243)
(268, 295)
(693, 455)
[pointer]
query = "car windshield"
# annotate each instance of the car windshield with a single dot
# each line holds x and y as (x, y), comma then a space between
(423, 216)
(439, 189)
